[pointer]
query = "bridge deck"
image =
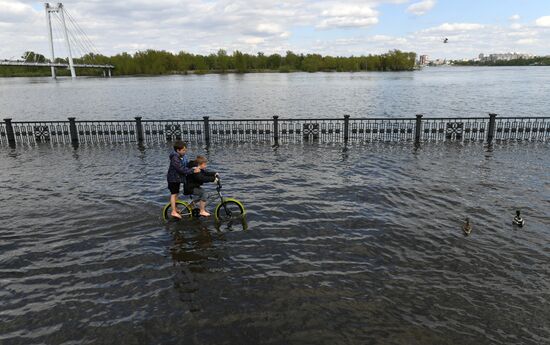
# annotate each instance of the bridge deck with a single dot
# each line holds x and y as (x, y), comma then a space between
(49, 64)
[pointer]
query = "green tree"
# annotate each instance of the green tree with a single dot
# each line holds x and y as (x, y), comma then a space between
(222, 60)
(30, 56)
(240, 62)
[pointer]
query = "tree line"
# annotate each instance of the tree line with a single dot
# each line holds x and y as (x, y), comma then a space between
(534, 61)
(159, 62)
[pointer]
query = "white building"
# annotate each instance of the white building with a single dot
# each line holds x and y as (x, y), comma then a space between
(424, 60)
(504, 57)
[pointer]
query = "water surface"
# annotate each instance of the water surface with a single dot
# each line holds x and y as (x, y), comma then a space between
(362, 246)
(434, 92)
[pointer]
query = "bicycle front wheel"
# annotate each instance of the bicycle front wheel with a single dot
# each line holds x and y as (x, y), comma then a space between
(183, 208)
(229, 209)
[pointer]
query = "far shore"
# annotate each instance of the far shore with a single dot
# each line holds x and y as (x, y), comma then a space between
(66, 73)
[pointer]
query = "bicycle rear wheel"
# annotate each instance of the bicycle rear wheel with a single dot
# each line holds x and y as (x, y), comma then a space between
(229, 209)
(184, 209)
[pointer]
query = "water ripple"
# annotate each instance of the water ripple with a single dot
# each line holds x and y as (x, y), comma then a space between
(356, 247)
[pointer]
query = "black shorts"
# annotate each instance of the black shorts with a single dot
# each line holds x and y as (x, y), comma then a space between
(174, 187)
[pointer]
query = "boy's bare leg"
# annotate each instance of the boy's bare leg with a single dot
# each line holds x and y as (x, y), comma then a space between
(202, 208)
(175, 214)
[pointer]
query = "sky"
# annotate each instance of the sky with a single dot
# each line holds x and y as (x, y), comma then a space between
(327, 27)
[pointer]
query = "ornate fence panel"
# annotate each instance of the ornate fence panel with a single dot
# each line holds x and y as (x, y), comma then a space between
(241, 130)
(106, 131)
(30, 132)
(167, 130)
(455, 129)
(528, 128)
(381, 129)
(311, 130)
(3, 134)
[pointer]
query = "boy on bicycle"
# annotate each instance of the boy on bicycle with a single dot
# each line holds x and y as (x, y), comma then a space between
(194, 182)
(177, 171)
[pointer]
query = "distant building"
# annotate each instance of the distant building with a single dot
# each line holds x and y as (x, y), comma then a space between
(504, 57)
(438, 62)
(424, 60)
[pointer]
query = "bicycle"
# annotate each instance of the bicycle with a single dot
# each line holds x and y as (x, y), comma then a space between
(227, 208)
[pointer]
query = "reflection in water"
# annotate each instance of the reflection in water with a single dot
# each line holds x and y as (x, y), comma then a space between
(190, 252)
(233, 224)
(193, 246)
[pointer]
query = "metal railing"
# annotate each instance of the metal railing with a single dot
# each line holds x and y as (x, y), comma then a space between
(362, 130)
(105, 131)
(520, 128)
(30, 132)
(456, 129)
(276, 130)
(3, 134)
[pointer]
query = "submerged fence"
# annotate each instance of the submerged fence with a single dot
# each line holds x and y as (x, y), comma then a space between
(276, 130)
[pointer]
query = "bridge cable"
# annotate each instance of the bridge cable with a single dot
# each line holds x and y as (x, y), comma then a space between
(57, 35)
(77, 46)
(86, 39)
(78, 36)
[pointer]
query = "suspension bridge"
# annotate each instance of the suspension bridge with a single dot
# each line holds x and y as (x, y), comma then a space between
(77, 43)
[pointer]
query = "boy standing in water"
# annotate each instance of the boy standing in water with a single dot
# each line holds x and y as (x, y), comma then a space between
(177, 172)
(195, 181)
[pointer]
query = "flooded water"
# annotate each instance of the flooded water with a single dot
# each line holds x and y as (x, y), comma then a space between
(434, 92)
(363, 246)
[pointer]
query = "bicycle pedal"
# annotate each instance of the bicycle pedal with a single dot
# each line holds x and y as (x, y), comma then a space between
(196, 213)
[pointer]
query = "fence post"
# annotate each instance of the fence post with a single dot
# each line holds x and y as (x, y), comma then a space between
(491, 130)
(206, 130)
(346, 129)
(9, 132)
(418, 128)
(139, 129)
(73, 131)
(276, 129)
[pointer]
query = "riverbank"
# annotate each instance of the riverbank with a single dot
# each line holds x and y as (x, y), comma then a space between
(535, 61)
(154, 62)
(66, 73)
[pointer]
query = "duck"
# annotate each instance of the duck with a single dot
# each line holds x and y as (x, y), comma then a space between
(467, 227)
(518, 220)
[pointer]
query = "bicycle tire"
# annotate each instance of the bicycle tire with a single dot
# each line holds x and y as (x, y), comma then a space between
(232, 205)
(182, 206)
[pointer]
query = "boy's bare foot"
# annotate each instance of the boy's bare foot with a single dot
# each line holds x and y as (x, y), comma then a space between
(175, 215)
(204, 214)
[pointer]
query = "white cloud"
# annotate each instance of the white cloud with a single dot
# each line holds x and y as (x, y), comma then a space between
(16, 12)
(421, 7)
(543, 22)
(269, 28)
(348, 16)
(253, 40)
(523, 33)
(527, 41)
(515, 17)
(456, 27)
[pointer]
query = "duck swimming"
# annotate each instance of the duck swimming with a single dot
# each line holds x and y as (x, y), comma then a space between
(467, 227)
(518, 220)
